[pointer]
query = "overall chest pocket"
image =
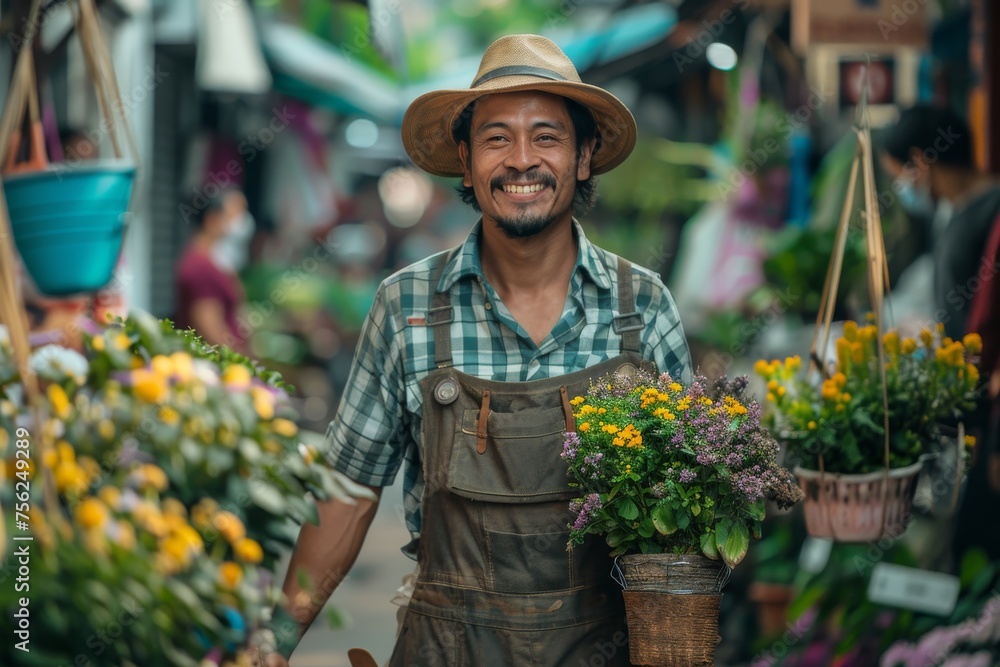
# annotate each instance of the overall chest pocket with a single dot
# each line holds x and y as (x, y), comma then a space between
(522, 462)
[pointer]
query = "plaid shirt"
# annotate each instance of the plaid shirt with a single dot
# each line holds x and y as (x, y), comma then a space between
(377, 426)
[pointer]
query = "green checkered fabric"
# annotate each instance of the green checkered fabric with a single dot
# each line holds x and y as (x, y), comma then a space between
(377, 427)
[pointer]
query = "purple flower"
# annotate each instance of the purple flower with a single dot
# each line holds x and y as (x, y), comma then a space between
(687, 475)
(591, 504)
(570, 446)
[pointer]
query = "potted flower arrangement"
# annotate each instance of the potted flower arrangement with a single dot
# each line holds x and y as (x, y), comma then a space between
(675, 479)
(858, 487)
(178, 475)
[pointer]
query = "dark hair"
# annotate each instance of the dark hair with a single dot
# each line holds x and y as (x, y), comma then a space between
(205, 205)
(584, 128)
(939, 133)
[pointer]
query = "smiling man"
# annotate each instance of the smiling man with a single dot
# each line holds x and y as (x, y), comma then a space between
(465, 370)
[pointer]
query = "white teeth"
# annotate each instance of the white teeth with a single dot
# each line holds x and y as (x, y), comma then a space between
(522, 189)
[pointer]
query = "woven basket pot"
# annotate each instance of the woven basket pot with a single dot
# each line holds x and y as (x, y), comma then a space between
(858, 508)
(672, 608)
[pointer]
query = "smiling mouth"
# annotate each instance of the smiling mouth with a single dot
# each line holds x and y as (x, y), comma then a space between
(523, 189)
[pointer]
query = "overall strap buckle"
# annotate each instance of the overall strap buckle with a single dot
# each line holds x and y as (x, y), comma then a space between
(627, 322)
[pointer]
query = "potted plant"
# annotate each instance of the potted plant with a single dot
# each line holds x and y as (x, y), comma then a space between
(675, 479)
(178, 475)
(859, 481)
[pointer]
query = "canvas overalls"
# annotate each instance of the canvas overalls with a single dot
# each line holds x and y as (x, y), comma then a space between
(496, 583)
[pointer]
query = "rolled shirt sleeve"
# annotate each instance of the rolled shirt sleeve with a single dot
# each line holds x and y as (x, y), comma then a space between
(367, 440)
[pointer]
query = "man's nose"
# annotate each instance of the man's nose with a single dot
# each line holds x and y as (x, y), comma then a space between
(522, 156)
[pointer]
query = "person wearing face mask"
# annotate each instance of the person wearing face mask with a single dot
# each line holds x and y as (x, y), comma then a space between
(928, 153)
(208, 292)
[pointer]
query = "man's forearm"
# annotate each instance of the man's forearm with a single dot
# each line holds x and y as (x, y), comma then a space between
(323, 555)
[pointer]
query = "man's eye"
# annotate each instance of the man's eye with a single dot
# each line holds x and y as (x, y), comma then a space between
(497, 139)
(546, 138)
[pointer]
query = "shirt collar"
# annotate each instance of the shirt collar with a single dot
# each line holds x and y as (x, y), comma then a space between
(466, 263)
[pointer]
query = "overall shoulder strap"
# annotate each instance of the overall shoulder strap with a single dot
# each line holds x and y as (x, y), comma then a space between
(628, 322)
(440, 315)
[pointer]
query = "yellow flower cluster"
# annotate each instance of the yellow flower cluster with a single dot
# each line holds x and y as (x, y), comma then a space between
(952, 353)
(207, 516)
(589, 410)
(152, 384)
(629, 437)
(832, 389)
(72, 476)
(973, 343)
(665, 414)
(733, 407)
(775, 369)
(651, 396)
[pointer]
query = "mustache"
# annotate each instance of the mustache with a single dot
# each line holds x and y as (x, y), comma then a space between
(520, 179)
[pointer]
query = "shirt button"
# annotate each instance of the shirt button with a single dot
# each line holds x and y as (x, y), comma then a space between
(488, 306)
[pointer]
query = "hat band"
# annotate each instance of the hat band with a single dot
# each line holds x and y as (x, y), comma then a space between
(514, 70)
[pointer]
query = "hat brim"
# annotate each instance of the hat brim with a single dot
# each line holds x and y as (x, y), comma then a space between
(427, 123)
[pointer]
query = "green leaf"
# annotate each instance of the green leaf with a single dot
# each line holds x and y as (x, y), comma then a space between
(708, 546)
(268, 498)
(646, 529)
(627, 510)
(734, 548)
(696, 509)
(973, 562)
(337, 618)
(757, 510)
(616, 537)
(663, 520)
(683, 520)
(722, 530)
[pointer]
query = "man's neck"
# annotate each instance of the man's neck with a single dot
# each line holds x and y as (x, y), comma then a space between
(524, 265)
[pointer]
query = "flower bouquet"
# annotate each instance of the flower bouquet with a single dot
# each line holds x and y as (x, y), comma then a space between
(834, 426)
(675, 480)
(178, 475)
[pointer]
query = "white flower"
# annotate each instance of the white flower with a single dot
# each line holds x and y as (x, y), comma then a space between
(129, 500)
(56, 363)
(206, 372)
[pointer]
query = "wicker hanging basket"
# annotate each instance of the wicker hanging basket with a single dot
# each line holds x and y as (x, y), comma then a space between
(852, 508)
(672, 608)
(858, 508)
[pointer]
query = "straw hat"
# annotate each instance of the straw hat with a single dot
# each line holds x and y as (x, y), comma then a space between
(514, 63)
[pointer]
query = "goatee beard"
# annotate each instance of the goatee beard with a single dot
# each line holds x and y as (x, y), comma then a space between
(523, 227)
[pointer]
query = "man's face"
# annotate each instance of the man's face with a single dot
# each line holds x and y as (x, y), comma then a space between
(522, 161)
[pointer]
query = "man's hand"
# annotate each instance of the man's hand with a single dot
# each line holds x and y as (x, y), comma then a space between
(263, 650)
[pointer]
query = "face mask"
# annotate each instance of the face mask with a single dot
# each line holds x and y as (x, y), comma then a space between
(915, 200)
(231, 252)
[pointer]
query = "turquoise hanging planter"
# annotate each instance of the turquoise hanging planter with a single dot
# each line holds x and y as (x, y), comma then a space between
(67, 220)
(68, 223)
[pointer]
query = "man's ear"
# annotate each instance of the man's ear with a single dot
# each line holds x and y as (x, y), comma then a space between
(585, 154)
(463, 155)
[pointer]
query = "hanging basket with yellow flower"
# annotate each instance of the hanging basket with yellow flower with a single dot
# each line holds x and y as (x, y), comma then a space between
(834, 423)
(674, 479)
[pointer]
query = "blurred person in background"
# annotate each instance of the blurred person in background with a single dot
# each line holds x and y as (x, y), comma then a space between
(929, 153)
(208, 291)
(471, 346)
